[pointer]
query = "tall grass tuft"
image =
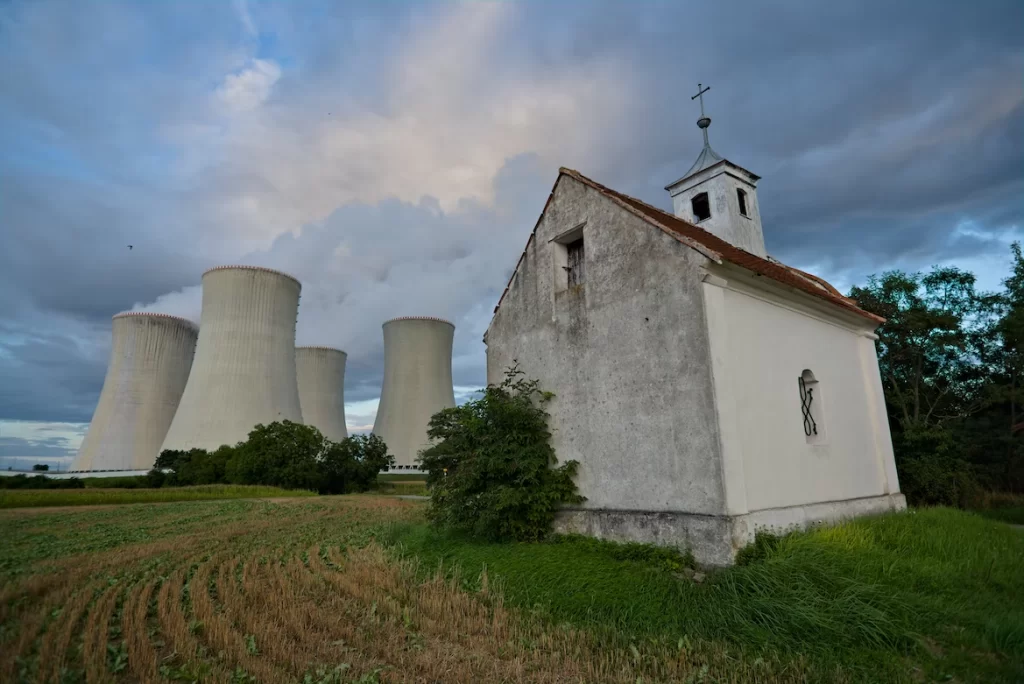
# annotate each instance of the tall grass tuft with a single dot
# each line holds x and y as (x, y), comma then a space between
(867, 592)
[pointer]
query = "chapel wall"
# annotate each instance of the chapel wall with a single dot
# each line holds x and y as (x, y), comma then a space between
(767, 348)
(626, 355)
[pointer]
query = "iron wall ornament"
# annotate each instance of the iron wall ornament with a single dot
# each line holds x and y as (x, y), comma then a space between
(806, 399)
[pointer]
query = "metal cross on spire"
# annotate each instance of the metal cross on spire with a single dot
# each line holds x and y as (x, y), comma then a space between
(704, 121)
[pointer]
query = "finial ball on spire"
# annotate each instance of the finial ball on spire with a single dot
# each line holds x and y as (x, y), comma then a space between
(704, 121)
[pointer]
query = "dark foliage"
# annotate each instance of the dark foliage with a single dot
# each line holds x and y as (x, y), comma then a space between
(192, 467)
(352, 465)
(951, 360)
(40, 467)
(40, 482)
(491, 470)
(285, 454)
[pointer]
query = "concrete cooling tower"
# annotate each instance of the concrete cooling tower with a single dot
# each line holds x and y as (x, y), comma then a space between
(321, 377)
(244, 369)
(150, 357)
(417, 383)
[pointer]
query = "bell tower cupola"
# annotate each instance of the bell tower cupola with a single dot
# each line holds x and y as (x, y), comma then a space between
(719, 196)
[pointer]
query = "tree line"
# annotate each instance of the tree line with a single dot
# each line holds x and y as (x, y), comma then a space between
(282, 454)
(951, 359)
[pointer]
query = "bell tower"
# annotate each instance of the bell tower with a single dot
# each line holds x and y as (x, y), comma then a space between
(719, 196)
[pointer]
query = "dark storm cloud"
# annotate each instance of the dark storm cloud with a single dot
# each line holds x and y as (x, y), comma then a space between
(887, 133)
(876, 126)
(51, 374)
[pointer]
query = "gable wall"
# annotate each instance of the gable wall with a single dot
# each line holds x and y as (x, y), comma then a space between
(626, 356)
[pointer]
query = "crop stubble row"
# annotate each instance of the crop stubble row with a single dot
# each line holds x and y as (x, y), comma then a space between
(283, 595)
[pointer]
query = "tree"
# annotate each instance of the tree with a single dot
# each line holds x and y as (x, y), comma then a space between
(40, 467)
(937, 353)
(352, 465)
(191, 467)
(996, 440)
(491, 469)
(935, 346)
(282, 454)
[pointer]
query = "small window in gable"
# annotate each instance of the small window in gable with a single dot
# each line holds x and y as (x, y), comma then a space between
(575, 257)
(811, 408)
(701, 207)
(741, 195)
(567, 257)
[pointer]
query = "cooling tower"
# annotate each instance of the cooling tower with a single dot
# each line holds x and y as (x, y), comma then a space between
(321, 376)
(244, 369)
(417, 383)
(150, 357)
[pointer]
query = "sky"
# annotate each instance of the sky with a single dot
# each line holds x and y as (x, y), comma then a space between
(395, 155)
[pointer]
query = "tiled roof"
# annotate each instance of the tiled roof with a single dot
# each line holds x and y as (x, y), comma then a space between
(717, 249)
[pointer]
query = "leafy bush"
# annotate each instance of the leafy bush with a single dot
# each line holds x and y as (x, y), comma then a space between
(352, 464)
(491, 469)
(282, 454)
(40, 466)
(186, 467)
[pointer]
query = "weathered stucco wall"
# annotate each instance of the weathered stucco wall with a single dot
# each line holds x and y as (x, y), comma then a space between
(626, 355)
(763, 343)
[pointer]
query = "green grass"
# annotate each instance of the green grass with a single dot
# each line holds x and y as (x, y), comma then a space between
(31, 498)
(938, 590)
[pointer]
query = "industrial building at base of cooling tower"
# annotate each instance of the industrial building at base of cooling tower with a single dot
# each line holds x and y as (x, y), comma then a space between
(150, 358)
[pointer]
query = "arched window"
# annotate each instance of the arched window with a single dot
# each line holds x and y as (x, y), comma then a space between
(701, 207)
(811, 408)
(741, 195)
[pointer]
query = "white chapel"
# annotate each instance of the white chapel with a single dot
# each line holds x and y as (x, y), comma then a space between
(707, 390)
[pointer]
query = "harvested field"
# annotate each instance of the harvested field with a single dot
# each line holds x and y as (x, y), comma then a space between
(314, 590)
(260, 591)
(32, 498)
